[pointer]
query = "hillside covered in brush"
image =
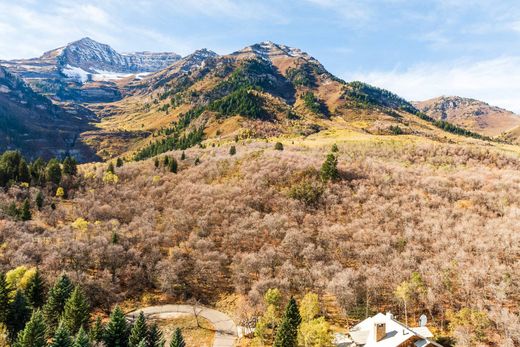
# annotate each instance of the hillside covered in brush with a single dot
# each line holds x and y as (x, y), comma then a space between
(438, 219)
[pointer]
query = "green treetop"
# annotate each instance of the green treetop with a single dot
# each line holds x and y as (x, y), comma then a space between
(33, 335)
(287, 334)
(177, 339)
(139, 331)
(116, 331)
(329, 170)
(76, 313)
(35, 290)
(57, 297)
(61, 337)
(81, 339)
(19, 314)
(155, 337)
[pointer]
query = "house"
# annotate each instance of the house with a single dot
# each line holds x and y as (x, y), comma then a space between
(382, 330)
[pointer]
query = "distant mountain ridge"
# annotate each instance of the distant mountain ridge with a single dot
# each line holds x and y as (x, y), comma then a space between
(261, 91)
(92, 56)
(471, 114)
(86, 70)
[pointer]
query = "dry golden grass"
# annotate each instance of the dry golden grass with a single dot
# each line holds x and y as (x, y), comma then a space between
(193, 335)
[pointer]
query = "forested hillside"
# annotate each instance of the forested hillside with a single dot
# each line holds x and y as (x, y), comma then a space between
(374, 225)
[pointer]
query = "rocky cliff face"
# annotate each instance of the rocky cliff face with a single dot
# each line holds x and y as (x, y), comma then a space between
(31, 123)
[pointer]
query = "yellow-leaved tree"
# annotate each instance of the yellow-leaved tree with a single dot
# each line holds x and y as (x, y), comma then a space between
(314, 331)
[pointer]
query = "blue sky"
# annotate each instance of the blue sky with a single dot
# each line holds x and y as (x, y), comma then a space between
(418, 49)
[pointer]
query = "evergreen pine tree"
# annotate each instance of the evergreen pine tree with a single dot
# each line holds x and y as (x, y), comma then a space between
(183, 155)
(119, 162)
(97, 332)
(232, 150)
(70, 166)
(334, 148)
(61, 337)
(37, 170)
(35, 291)
(156, 162)
(166, 161)
(155, 337)
(139, 331)
(287, 334)
(115, 238)
(177, 339)
(25, 213)
(53, 308)
(173, 165)
(39, 200)
(81, 339)
(53, 172)
(23, 172)
(76, 313)
(116, 331)
(19, 314)
(5, 291)
(33, 335)
(12, 210)
(329, 170)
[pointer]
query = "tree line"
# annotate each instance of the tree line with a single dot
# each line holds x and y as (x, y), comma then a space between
(15, 169)
(31, 316)
(177, 136)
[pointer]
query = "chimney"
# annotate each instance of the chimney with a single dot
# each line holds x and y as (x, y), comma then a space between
(380, 332)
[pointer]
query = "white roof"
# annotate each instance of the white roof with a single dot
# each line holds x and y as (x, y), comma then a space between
(363, 333)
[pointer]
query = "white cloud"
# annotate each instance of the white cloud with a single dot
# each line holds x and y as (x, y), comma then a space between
(38, 30)
(496, 81)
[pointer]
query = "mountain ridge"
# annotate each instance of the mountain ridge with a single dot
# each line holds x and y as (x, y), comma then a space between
(260, 91)
(86, 70)
(470, 113)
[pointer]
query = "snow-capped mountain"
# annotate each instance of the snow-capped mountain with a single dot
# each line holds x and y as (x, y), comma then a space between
(86, 70)
(93, 57)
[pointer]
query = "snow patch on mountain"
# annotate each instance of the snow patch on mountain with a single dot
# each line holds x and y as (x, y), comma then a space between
(76, 73)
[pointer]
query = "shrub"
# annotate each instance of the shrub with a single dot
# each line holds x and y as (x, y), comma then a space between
(278, 146)
(329, 170)
(308, 191)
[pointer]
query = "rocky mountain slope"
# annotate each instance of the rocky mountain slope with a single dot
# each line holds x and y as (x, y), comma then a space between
(472, 114)
(33, 124)
(264, 90)
(86, 70)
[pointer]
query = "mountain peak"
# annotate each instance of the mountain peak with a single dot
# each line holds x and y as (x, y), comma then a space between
(196, 59)
(268, 50)
(85, 39)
